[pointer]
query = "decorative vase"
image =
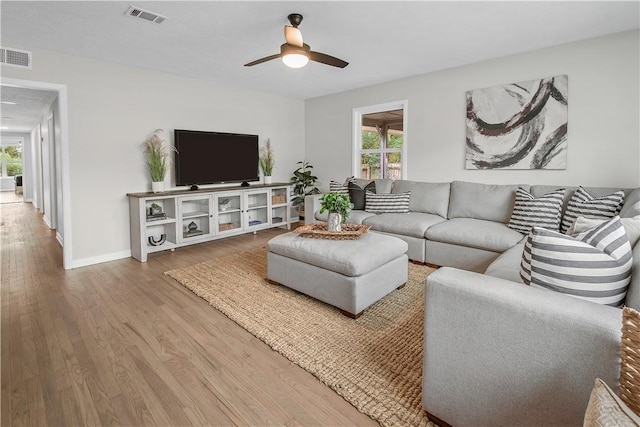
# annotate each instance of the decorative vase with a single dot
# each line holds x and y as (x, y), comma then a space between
(157, 186)
(334, 224)
(192, 226)
(267, 179)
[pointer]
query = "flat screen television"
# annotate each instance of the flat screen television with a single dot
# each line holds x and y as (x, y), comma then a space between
(215, 158)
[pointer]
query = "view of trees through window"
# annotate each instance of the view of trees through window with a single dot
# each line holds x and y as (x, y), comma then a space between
(382, 144)
(11, 157)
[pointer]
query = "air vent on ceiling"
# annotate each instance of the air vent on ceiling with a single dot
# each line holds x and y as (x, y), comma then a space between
(15, 57)
(136, 12)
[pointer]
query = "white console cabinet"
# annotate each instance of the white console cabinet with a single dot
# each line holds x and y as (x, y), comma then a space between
(172, 219)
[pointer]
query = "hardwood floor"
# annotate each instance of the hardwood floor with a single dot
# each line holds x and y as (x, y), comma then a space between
(120, 343)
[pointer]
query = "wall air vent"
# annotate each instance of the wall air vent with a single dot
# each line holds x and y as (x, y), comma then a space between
(15, 57)
(145, 15)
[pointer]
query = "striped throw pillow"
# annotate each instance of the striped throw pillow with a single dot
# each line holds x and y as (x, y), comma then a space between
(336, 187)
(594, 265)
(387, 203)
(529, 212)
(584, 204)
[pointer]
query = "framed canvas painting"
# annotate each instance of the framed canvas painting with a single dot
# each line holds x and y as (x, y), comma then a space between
(518, 126)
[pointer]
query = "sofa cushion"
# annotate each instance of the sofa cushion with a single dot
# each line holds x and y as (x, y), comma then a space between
(544, 211)
(413, 224)
(475, 233)
(357, 194)
(426, 197)
(594, 265)
(584, 204)
(631, 205)
(507, 265)
(355, 216)
(387, 203)
(482, 201)
(606, 409)
(383, 185)
(633, 293)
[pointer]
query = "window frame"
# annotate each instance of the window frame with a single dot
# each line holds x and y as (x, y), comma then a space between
(10, 142)
(357, 150)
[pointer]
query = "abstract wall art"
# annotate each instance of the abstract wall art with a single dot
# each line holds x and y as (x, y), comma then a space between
(518, 126)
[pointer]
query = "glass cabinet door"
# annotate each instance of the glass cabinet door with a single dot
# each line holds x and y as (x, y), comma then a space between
(196, 214)
(228, 212)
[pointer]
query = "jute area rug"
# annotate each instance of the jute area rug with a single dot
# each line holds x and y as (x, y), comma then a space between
(374, 362)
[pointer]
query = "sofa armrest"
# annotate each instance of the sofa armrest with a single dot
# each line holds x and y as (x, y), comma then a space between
(503, 353)
(311, 206)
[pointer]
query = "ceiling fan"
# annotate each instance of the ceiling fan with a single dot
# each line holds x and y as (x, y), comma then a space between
(295, 53)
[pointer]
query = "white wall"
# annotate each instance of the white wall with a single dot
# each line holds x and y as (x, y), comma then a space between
(113, 108)
(603, 126)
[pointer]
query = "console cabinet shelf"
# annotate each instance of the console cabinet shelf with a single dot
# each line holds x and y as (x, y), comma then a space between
(169, 220)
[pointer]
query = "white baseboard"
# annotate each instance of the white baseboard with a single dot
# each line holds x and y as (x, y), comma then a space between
(84, 262)
(46, 221)
(60, 239)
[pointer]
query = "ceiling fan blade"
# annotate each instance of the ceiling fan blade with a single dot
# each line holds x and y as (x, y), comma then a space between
(261, 60)
(293, 35)
(327, 59)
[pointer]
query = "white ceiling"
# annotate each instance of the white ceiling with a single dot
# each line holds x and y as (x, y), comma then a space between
(26, 108)
(382, 40)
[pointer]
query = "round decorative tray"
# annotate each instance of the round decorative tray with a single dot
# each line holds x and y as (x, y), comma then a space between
(319, 231)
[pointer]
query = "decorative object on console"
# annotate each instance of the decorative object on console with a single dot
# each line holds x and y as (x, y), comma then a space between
(529, 212)
(594, 265)
(304, 184)
(584, 204)
(154, 242)
(338, 205)
(357, 194)
(518, 126)
(192, 226)
(267, 161)
(157, 159)
(387, 203)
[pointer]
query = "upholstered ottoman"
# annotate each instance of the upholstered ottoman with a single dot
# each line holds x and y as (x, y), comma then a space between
(348, 274)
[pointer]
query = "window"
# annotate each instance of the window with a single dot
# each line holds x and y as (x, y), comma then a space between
(11, 156)
(380, 142)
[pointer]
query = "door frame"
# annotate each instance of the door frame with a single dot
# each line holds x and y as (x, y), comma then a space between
(64, 166)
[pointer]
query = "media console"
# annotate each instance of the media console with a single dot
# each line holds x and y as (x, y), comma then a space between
(172, 219)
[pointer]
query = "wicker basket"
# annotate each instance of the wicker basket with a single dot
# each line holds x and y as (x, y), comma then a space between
(319, 231)
(630, 355)
(278, 199)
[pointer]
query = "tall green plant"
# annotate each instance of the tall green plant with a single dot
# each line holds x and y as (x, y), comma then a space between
(304, 183)
(158, 156)
(267, 159)
(336, 202)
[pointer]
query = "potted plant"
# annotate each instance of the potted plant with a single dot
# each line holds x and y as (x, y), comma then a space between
(304, 184)
(267, 161)
(338, 205)
(157, 153)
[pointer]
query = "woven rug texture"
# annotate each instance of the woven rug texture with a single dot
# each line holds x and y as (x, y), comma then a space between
(374, 362)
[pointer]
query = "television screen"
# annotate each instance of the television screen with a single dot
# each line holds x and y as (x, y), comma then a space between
(215, 157)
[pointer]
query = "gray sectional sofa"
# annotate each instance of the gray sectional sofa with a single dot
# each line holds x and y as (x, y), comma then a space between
(498, 352)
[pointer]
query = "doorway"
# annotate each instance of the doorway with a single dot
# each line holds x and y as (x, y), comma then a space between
(49, 160)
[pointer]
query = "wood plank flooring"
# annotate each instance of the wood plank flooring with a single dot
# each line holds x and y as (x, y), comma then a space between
(120, 343)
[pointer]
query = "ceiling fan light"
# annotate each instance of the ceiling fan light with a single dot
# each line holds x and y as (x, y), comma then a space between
(295, 60)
